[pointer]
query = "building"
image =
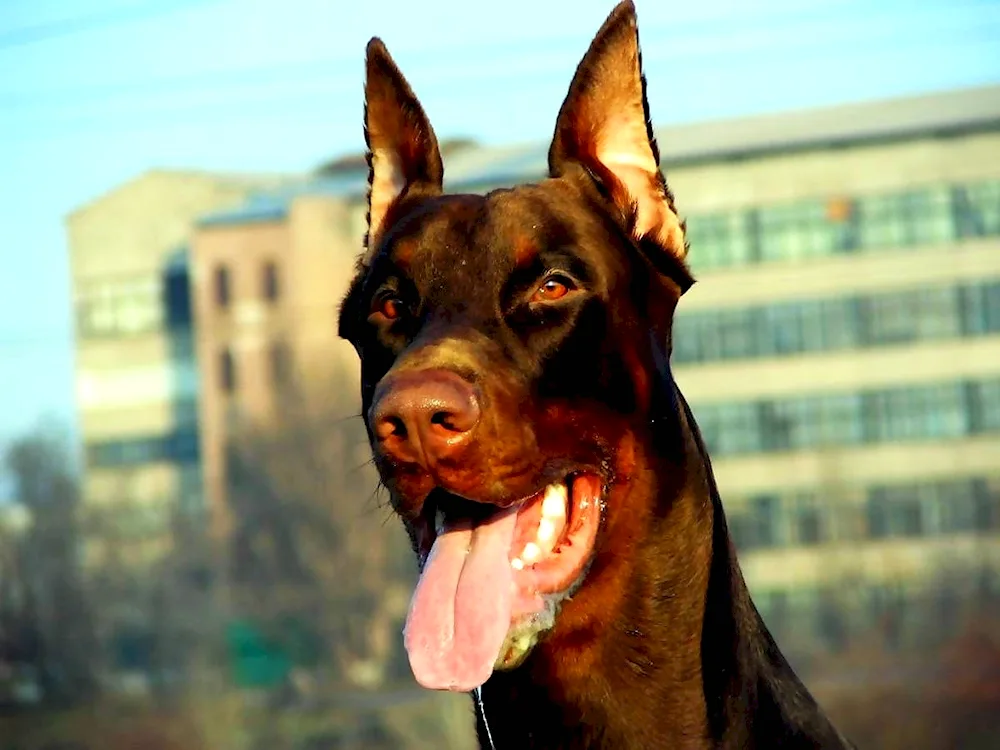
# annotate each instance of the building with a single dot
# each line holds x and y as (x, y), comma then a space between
(842, 354)
(267, 280)
(841, 349)
(136, 379)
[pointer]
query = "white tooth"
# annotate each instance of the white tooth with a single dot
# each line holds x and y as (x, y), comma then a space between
(546, 530)
(531, 552)
(517, 563)
(554, 502)
(439, 522)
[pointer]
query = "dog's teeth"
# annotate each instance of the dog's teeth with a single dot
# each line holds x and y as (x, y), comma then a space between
(531, 552)
(517, 563)
(439, 522)
(546, 530)
(555, 501)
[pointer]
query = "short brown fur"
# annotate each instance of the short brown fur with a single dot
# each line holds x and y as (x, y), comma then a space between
(660, 647)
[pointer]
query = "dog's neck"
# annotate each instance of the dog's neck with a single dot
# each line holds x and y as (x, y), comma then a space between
(686, 664)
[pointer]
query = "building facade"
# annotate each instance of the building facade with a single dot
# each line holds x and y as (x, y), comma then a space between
(841, 350)
(267, 281)
(136, 376)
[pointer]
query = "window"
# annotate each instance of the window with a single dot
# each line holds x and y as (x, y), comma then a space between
(915, 413)
(270, 281)
(177, 298)
(894, 512)
(227, 371)
(121, 307)
(986, 503)
(719, 240)
(689, 333)
(809, 527)
(222, 290)
(767, 513)
(980, 308)
(180, 446)
(911, 315)
(798, 231)
(778, 425)
(889, 318)
(977, 209)
(837, 419)
(983, 406)
(781, 329)
(921, 412)
(735, 332)
(759, 524)
(956, 505)
(843, 224)
(928, 214)
(905, 219)
(730, 428)
(839, 323)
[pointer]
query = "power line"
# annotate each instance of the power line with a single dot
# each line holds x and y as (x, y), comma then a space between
(302, 106)
(505, 53)
(67, 27)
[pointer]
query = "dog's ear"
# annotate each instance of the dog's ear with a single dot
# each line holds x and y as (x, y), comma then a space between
(603, 127)
(403, 155)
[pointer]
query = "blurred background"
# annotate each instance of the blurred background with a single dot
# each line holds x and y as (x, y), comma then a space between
(193, 553)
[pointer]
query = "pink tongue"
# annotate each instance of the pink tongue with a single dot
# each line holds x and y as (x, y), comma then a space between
(461, 608)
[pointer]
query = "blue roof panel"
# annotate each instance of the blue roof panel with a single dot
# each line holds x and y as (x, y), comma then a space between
(272, 205)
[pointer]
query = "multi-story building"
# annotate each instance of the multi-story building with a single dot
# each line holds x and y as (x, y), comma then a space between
(842, 352)
(267, 281)
(136, 379)
(841, 349)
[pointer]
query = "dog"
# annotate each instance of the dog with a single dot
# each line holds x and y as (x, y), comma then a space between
(576, 572)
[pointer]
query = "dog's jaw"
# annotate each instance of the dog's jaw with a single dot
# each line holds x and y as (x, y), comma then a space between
(492, 579)
(564, 578)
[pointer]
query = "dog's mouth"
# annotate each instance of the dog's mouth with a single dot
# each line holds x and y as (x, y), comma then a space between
(492, 579)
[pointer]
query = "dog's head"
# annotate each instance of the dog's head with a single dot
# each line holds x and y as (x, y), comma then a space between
(513, 347)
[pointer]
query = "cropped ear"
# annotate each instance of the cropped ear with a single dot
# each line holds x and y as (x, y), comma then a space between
(403, 155)
(603, 127)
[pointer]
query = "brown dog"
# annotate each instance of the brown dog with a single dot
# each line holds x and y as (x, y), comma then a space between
(575, 562)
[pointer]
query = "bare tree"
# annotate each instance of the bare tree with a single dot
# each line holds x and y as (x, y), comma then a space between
(311, 543)
(54, 618)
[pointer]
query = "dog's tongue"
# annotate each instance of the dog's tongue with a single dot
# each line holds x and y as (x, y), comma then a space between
(461, 608)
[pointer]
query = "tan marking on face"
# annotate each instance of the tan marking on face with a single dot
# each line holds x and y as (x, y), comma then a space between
(404, 251)
(525, 251)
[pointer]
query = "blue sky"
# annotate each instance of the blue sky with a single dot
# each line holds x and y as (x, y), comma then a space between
(94, 92)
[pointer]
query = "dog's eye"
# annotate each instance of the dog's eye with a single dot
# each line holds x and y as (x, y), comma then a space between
(553, 288)
(388, 306)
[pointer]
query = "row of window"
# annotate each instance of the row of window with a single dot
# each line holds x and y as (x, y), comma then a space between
(969, 504)
(179, 446)
(842, 323)
(279, 364)
(949, 410)
(840, 226)
(222, 284)
(804, 619)
(135, 304)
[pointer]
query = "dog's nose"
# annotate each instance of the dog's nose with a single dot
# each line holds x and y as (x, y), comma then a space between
(424, 416)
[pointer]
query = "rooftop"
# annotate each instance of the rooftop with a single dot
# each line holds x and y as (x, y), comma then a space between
(470, 168)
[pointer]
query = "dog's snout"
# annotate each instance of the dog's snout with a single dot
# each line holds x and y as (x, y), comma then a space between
(424, 416)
